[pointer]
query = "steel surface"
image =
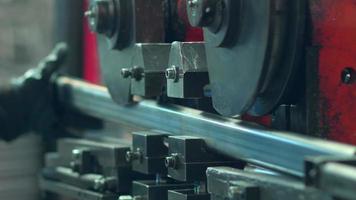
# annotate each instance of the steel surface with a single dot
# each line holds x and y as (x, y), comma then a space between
(280, 151)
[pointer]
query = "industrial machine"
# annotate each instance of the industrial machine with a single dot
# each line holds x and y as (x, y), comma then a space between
(215, 99)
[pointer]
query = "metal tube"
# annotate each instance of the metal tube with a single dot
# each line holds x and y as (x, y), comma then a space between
(280, 151)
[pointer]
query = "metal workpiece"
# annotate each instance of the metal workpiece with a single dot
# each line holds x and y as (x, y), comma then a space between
(189, 158)
(333, 175)
(148, 74)
(228, 183)
(187, 194)
(152, 190)
(281, 151)
(187, 74)
(149, 152)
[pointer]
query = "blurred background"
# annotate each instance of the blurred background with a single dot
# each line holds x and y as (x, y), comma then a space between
(29, 30)
(25, 35)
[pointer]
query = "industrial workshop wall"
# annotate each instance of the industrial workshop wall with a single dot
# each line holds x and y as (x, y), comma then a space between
(25, 34)
(25, 37)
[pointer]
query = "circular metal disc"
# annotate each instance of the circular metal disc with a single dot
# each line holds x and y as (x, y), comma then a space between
(235, 72)
(244, 73)
(281, 86)
(113, 61)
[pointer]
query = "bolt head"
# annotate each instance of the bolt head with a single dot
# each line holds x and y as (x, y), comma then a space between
(201, 12)
(137, 73)
(171, 162)
(348, 75)
(99, 16)
(171, 73)
(99, 184)
(126, 73)
(129, 156)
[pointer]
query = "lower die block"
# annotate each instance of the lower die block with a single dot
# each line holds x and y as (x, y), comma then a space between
(188, 194)
(151, 190)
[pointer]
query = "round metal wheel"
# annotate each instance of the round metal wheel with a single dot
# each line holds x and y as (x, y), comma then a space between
(252, 49)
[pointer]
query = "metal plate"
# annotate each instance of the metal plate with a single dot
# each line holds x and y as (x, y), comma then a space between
(133, 26)
(246, 66)
(111, 64)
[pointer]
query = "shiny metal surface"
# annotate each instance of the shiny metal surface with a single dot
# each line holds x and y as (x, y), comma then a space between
(280, 151)
(188, 62)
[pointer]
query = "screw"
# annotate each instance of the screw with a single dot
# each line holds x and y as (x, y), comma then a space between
(89, 13)
(76, 163)
(348, 76)
(100, 16)
(192, 3)
(172, 73)
(100, 184)
(126, 73)
(201, 13)
(135, 72)
(171, 161)
(131, 155)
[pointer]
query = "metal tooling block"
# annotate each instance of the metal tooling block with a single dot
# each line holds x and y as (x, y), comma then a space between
(189, 158)
(149, 152)
(89, 157)
(148, 72)
(229, 183)
(189, 194)
(187, 74)
(151, 190)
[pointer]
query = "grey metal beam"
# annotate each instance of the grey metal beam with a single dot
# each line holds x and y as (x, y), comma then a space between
(280, 151)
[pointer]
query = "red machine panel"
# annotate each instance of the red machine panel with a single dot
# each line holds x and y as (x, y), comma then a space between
(334, 31)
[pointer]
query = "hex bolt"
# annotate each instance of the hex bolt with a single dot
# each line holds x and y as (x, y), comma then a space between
(192, 3)
(172, 73)
(75, 163)
(135, 73)
(171, 161)
(100, 16)
(89, 14)
(132, 156)
(348, 76)
(100, 184)
(201, 13)
(126, 73)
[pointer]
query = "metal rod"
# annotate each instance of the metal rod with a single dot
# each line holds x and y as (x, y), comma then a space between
(280, 151)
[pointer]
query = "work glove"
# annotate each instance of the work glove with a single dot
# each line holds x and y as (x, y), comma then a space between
(26, 104)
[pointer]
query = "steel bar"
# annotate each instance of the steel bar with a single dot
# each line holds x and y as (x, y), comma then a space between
(280, 151)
